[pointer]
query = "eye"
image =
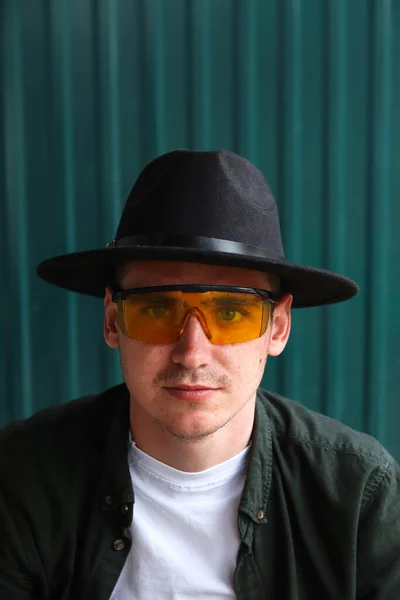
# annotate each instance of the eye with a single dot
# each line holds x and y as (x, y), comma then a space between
(230, 314)
(157, 311)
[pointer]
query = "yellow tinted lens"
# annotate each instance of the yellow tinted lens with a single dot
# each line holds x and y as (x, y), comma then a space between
(154, 318)
(161, 317)
(234, 317)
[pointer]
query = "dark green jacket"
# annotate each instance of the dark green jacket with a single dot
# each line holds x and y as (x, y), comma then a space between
(319, 516)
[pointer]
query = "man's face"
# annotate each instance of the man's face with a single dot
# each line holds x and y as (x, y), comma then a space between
(156, 375)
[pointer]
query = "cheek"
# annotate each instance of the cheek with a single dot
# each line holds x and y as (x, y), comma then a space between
(246, 362)
(141, 362)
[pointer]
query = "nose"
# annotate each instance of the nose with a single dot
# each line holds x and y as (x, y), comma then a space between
(193, 349)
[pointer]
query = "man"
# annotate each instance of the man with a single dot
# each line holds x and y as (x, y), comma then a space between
(188, 481)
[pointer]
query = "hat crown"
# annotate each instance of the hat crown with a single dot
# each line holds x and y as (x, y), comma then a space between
(205, 207)
(217, 195)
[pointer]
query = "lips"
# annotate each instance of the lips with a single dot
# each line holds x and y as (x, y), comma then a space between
(192, 393)
(192, 388)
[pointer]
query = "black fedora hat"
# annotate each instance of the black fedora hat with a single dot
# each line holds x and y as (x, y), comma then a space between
(206, 207)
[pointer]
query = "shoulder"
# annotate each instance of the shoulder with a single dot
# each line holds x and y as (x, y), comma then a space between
(335, 454)
(58, 430)
(292, 421)
(336, 493)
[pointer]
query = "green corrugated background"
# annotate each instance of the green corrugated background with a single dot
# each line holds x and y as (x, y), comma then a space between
(308, 90)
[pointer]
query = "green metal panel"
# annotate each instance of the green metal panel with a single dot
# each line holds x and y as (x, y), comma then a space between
(309, 90)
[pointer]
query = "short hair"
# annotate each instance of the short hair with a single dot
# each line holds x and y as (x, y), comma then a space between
(272, 281)
(121, 271)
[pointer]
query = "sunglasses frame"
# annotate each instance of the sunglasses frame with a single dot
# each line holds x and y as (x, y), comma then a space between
(271, 297)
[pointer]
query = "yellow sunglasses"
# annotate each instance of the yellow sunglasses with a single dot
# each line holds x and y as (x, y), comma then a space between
(227, 314)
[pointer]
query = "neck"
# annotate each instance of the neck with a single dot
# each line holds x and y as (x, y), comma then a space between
(192, 455)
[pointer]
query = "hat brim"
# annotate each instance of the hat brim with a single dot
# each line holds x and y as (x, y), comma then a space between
(89, 272)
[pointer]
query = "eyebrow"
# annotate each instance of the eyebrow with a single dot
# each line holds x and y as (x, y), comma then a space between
(222, 299)
(230, 300)
(154, 298)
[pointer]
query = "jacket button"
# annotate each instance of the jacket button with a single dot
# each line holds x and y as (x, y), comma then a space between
(118, 545)
(260, 514)
(124, 508)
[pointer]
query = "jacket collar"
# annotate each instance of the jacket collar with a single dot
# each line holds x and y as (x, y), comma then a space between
(259, 474)
(117, 484)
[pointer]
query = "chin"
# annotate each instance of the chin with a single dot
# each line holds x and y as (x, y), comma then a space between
(193, 431)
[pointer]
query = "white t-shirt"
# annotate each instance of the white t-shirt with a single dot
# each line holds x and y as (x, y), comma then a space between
(184, 531)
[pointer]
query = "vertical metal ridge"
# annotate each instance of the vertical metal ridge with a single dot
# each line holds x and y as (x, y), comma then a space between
(106, 117)
(114, 123)
(200, 74)
(159, 80)
(378, 241)
(106, 108)
(335, 201)
(146, 125)
(143, 78)
(245, 41)
(6, 388)
(290, 176)
(96, 114)
(21, 240)
(114, 136)
(154, 79)
(190, 75)
(280, 150)
(69, 195)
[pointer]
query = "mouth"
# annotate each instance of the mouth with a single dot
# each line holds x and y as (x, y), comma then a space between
(191, 393)
(192, 388)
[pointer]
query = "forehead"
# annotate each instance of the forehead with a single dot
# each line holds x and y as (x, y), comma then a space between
(151, 273)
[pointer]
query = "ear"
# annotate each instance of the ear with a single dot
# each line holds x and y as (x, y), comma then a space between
(111, 332)
(280, 328)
